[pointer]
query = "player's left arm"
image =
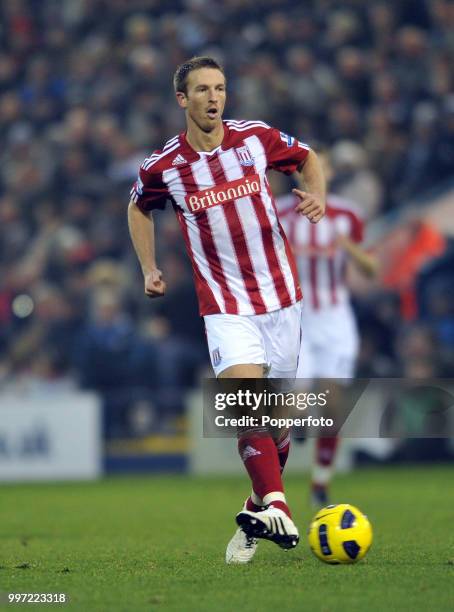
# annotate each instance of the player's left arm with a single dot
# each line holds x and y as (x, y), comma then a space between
(366, 262)
(311, 188)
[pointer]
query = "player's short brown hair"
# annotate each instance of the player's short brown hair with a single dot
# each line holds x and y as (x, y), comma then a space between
(180, 78)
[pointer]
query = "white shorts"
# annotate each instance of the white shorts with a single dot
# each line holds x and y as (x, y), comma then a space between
(271, 339)
(329, 343)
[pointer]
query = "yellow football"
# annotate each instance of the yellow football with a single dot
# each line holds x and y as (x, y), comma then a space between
(340, 533)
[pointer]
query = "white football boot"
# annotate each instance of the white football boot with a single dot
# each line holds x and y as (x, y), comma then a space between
(241, 548)
(270, 524)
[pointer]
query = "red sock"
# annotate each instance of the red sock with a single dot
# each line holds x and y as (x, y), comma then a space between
(283, 448)
(325, 451)
(260, 457)
(282, 506)
(253, 507)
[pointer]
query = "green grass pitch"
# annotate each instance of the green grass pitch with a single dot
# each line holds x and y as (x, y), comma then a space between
(158, 543)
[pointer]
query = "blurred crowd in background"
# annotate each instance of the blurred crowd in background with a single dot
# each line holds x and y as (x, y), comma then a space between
(86, 93)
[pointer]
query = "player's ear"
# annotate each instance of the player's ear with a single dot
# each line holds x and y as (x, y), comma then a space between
(181, 99)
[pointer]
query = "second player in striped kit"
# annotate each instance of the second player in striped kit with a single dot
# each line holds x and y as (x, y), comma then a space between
(330, 340)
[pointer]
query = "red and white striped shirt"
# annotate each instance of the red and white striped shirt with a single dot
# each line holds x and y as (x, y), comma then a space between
(241, 259)
(321, 262)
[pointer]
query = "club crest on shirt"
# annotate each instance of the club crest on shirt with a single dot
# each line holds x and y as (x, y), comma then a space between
(245, 156)
(216, 357)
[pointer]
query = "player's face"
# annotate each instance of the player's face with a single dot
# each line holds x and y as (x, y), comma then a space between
(205, 98)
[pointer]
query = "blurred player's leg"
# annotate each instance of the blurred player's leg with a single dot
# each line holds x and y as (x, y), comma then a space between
(322, 470)
(328, 350)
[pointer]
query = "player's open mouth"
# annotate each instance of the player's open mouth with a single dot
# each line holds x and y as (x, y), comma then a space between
(212, 113)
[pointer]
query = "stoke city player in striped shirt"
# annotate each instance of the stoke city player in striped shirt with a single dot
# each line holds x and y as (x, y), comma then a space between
(214, 176)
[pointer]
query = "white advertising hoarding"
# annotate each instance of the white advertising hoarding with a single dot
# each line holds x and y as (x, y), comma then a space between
(53, 436)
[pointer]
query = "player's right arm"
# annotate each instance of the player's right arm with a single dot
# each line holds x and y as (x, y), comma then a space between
(148, 193)
(290, 156)
(141, 230)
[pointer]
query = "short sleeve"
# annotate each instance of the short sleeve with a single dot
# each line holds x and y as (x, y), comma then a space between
(149, 192)
(283, 152)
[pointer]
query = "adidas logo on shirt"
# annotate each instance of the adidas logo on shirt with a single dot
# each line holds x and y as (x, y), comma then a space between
(179, 159)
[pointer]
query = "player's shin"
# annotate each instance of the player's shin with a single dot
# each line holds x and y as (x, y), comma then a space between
(254, 502)
(260, 457)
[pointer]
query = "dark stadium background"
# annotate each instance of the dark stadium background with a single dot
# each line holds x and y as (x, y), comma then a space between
(86, 94)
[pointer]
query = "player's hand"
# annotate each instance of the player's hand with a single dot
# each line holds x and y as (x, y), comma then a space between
(311, 205)
(154, 285)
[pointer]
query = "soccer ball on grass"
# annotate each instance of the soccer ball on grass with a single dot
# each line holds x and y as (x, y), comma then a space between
(340, 533)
